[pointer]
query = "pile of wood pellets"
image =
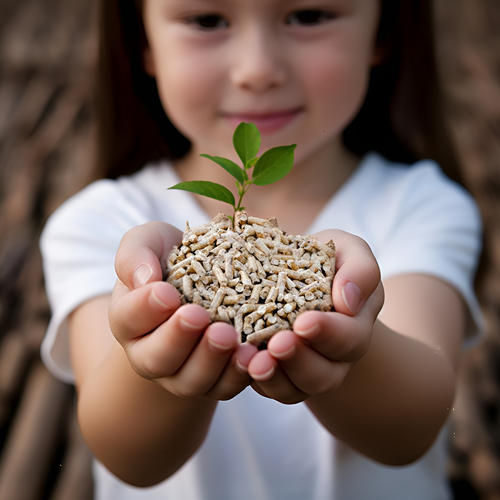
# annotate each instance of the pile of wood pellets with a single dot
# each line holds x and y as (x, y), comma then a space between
(252, 275)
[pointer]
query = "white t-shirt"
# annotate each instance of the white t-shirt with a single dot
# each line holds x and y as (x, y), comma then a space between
(414, 219)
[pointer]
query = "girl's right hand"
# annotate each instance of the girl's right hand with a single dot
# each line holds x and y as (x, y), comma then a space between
(174, 345)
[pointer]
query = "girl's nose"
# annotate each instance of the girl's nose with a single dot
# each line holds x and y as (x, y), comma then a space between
(259, 65)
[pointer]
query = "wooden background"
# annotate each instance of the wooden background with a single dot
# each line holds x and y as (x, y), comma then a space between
(47, 53)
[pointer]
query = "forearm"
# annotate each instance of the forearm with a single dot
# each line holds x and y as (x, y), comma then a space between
(393, 401)
(137, 429)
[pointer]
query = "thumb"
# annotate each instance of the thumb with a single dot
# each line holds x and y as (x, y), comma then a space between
(143, 252)
(357, 273)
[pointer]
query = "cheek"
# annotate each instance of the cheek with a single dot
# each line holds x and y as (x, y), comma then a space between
(339, 84)
(338, 80)
(185, 83)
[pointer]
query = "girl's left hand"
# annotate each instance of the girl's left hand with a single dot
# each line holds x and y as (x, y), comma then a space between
(317, 355)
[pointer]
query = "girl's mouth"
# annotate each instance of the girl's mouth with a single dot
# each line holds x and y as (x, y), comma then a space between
(267, 122)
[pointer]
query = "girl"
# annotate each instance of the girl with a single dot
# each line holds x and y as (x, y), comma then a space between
(173, 406)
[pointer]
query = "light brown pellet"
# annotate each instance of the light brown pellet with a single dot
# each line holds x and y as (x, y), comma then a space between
(253, 275)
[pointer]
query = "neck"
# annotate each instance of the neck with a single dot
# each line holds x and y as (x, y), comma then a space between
(294, 200)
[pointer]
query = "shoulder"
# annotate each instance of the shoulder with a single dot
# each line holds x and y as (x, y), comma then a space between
(417, 190)
(389, 175)
(133, 190)
(428, 225)
(106, 204)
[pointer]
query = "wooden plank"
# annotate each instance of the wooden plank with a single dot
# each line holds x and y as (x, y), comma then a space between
(14, 359)
(34, 436)
(75, 480)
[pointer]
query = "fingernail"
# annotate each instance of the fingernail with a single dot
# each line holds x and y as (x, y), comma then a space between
(307, 331)
(191, 324)
(160, 302)
(221, 340)
(245, 353)
(241, 367)
(352, 296)
(262, 377)
(283, 354)
(142, 274)
(219, 346)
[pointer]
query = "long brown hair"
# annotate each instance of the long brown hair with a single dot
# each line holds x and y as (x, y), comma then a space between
(402, 116)
(132, 127)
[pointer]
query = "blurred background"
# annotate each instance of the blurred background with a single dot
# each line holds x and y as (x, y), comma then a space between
(47, 53)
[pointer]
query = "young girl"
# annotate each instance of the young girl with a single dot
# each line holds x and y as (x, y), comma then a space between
(350, 404)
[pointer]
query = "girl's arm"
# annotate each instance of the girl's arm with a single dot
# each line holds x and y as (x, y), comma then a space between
(384, 386)
(147, 386)
(132, 425)
(395, 400)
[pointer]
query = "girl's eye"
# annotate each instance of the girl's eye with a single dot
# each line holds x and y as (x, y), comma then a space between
(208, 22)
(309, 17)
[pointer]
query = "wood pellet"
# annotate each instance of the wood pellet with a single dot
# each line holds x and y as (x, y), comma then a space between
(254, 276)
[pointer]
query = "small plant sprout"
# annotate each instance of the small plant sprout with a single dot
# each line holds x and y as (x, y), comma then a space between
(271, 166)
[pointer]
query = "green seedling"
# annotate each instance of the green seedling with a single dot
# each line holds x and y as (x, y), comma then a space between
(271, 166)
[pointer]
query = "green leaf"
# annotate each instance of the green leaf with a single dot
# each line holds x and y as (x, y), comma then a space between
(246, 141)
(235, 170)
(273, 165)
(251, 163)
(207, 188)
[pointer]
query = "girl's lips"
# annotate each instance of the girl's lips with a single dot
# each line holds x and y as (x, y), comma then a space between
(267, 123)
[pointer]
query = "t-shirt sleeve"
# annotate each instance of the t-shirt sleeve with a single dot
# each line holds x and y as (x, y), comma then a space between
(78, 246)
(437, 230)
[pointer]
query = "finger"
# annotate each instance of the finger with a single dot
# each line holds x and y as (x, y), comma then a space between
(137, 312)
(205, 365)
(308, 371)
(262, 366)
(142, 252)
(273, 383)
(337, 336)
(162, 352)
(234, 377)
(357, 272)
(243, 355)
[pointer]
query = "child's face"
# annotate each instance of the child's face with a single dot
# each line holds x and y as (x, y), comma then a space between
(298, 69)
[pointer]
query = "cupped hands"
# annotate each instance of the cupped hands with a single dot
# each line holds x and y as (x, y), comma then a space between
(178, 347)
